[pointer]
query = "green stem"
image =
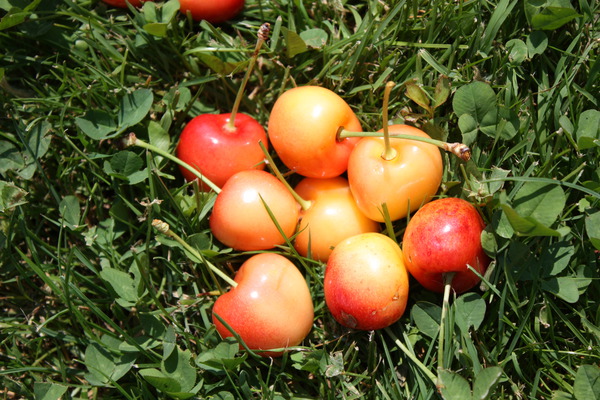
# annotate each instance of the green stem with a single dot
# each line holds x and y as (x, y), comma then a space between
(447, 278)
(305, 204)
(263, 34)
(389, 153)
(460, 150)
(412, 356)
(132, 140)
(164, 228)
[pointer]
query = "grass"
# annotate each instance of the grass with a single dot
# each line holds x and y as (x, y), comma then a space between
(96, 304)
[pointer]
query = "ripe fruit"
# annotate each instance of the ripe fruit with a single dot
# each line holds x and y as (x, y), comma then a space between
(239, 218)
(217, 151)
(213, 11)
(270, 308)
(404, 183)
(332, 217)
(303, 129)
(444, 236)
(366, 283)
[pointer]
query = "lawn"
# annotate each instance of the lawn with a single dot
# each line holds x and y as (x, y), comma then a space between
(96, 303)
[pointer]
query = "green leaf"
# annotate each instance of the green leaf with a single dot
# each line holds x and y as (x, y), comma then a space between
(485, 381)
(134, 108)
(537, 42)
(542, 201)
(552, 18)
(222, 67)
(416, 93)
(97, 125)
(588, 129)
(555, 258)
(468, 126)
(315, 38)
(70, 211)
(16, 15)
(592, 228)
(294, 43)
(122, 283)
(527, 226)
(158, 29)
(178, 367)
(476, 99)
(48, 391)
(427, 318)
(126, 165)
(564, 287)
(587, 383)
(453, 386)
(11, 196)
(517, 51)
(105, 365)
(222, 357)
(469, 310)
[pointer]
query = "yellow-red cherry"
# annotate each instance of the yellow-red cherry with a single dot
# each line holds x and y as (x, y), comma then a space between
(443, 237)
(332, 217)
(366, 282)
(270, 308)
(403, 182)
(240, 219)
(217, 150)
(303, 127)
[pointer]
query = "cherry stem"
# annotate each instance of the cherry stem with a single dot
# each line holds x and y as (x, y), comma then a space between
(447, 279)
(132, 140)
(305, 204)
(164, 228)
(263, 35)
(460, 150)
(389, 153)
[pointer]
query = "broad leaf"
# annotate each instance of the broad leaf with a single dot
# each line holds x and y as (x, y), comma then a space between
(527, 226)
(97, 124)
(564, 287)
(453, 386)
(294, 43)
(587, 382)
(134, 108)
(469, 310)
(315, 38)
(542, 201)
(427, 318)
(485, 381)
(588, 129)
(592, 228)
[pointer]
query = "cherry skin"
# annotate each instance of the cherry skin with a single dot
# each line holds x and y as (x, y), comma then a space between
(303, 128)
(366, 282)
(332, 217)
(270, 308)
(123, 3)
(218, 152)
(404, 183)
(239, 218)
(444, 236)
(213, 11)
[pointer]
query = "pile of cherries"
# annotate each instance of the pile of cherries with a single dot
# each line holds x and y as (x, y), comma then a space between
(350, 185)
(352, 182)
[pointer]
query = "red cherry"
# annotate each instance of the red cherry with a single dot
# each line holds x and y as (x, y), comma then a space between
(217, 151)
(444, 236)
(213, 11)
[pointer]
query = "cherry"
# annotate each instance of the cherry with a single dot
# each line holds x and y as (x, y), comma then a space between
(270, 308)
(366, 282)
(213, 11)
